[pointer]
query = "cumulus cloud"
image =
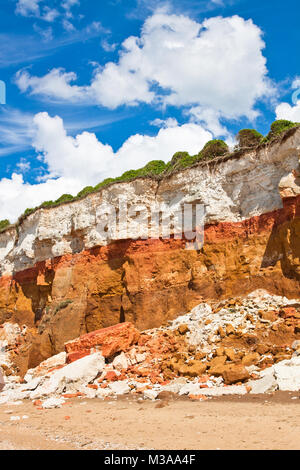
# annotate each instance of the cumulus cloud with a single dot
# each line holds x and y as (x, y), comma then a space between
(288, 111)
(56, 82)
(216, 65)
(74, 162)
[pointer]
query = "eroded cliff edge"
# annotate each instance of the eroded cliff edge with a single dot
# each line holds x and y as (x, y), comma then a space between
(62, 277)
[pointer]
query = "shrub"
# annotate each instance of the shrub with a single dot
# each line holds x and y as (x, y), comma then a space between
(29, 211)
(179, 156)
(213, 148)
(249, 138)
(279, 126)
(3, 224)
(85, 191)
(155, 167)
(129, 175)
(64, 198)
(62, 305)
(47, 204)
(105, 182)
(180, 160)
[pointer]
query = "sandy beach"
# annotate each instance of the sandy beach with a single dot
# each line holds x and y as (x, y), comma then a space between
(247, 422)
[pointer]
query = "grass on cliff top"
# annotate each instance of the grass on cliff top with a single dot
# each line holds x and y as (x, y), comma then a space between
(246, 138)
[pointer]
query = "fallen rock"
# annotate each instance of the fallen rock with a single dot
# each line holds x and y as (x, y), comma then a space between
(267, 382)
(151, 394)
(109, 341)
(119, 388)
(287, 374)
(50, 364)
(71, 377)
(234, 373)
(53, 403)
(251, 359)
(120, 362)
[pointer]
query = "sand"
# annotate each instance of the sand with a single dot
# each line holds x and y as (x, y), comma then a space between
(247, 422)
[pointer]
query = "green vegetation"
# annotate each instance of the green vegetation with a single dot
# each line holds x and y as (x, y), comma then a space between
(104, 183)
(62, 305)
(249, 138)
(4, 224)
(85, 191)
(64, 198)
(29, 211)
(179, 161)
(213, 148)
(277, 127)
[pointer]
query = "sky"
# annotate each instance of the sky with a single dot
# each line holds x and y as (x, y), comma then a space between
(95, 88)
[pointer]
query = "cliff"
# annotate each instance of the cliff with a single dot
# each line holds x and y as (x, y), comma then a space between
(64, 273)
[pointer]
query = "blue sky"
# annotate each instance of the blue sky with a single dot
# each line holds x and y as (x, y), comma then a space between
(97, 88)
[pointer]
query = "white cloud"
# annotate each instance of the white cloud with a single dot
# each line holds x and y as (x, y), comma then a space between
(169, 122)
(28, 7)
(289, 112)
(38, 9)
(55, 83)
(49, 14)
(209, 118)
(16, 131)
(74, 162)
(217, 65)
(286, 110)
(67, 25)
(108, 47)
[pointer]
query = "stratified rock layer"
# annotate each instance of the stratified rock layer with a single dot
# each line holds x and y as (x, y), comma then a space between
(61, 279)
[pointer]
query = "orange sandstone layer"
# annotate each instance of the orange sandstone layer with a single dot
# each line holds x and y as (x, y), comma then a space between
(149, 282)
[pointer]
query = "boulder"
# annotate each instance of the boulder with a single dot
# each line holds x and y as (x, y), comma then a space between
(120, 362)
(267, 382)
(250, 359)
(71, 377)
(234, 373)
(54, 362)
(287, 374)
(109, 341)
(119, 388)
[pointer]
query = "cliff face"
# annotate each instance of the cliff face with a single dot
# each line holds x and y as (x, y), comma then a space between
(62, 277)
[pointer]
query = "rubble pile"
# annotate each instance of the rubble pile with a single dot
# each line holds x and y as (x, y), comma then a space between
(237, 346)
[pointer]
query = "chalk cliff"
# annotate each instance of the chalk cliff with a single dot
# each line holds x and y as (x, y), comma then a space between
(64, 274)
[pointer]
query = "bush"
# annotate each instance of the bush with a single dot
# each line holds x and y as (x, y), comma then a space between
(180, 160)
(129, 175)
(62, 305)
(85, 191)
(29, 211)
(213, 148)
(249, 138)
(155, 167)
(179, 156)
(64, 198)
(105, 182)
(3, 224)
(279, 126)
(47, 204)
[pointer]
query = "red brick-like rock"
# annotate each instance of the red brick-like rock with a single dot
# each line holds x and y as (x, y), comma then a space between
(289, 312)
(109, 341)
(111, 376)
